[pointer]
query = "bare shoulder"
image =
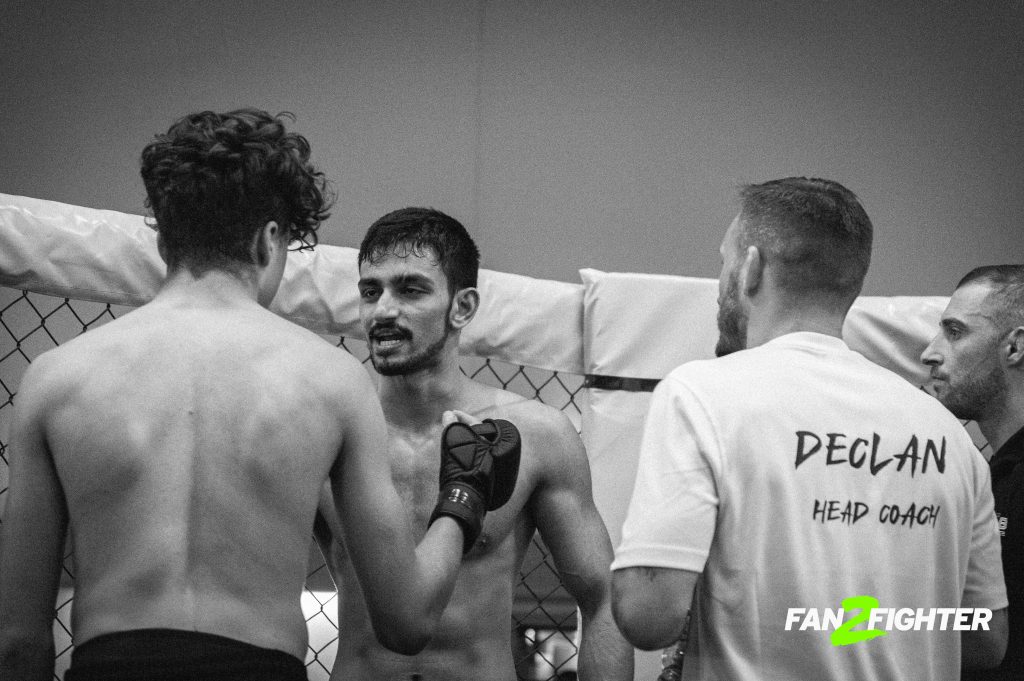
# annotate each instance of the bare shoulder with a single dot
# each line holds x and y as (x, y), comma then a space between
(59, 368)
(331, 366)
(550, 441)
(530, 416)
(44, 377)
(555, 463)
(319, 350)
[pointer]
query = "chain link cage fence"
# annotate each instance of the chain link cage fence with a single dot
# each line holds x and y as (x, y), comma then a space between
(544, 614)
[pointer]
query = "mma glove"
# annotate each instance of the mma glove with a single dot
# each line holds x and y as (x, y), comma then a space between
(479, 467)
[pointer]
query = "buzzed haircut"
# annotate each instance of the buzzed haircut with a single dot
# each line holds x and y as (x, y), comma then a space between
(424, 232)
(1007, 295)
(814, 232)
(214, 180)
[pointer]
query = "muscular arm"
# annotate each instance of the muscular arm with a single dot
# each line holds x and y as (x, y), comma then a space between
(651, 604)
(406, 586)
(565, 515)
(671, 517)
(31, 543)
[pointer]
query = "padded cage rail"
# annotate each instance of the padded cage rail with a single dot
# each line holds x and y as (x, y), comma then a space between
(541, 339)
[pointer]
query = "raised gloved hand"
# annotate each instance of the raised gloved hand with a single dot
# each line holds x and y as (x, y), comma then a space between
(479, 467)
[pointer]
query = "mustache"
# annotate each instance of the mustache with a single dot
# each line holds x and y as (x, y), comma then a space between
(389, 331)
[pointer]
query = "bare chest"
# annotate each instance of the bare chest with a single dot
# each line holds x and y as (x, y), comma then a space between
(415, 462)
(415, 469)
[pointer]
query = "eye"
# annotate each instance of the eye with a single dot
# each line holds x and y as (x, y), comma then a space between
(368, 293)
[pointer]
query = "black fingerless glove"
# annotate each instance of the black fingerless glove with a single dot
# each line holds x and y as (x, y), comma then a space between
(479, 467)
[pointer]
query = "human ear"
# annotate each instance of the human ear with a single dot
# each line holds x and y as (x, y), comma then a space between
(465, 304)
(751, 270)
(267, 242)
(1015, 347)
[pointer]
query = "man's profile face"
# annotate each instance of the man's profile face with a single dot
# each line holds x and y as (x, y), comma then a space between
(966, 375)
(403, 307)
(732, 318)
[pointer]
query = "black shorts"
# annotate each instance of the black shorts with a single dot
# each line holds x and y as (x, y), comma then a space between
(177, 655)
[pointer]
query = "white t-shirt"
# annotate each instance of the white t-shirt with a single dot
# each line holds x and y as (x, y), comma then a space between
(795, 475)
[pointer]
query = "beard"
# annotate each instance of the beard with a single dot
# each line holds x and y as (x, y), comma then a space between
(971, 398)
(732, 321)
(418, 360)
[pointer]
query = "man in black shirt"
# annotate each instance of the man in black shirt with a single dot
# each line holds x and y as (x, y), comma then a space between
(977, 372)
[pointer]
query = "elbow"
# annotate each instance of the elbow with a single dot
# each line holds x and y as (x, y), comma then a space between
(984, 649)
(403, 643)
(997, 649)
(647, 619)
(406, 638)
(641, 635)
(984, 654)
(402, 622)
(639, 628)
(994, 651)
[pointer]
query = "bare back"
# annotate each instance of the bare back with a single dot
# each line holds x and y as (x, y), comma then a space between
(190, 445)
(474, 638)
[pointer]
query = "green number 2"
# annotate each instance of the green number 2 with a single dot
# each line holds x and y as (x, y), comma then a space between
(844, 635)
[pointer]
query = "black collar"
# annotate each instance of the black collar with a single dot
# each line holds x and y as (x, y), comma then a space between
(1010, 454)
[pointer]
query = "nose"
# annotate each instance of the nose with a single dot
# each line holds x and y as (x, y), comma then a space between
(931, 356)
(386, 307)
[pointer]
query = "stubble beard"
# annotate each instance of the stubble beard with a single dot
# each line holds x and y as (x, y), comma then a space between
(423, 360)
(970, 399)
(732, 322)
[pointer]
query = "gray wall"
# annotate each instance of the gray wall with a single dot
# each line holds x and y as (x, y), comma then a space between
(564, 134)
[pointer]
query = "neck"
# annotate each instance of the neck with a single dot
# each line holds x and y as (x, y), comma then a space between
(1004, 420)
(214, 288)
(771, 321)
(417, 400)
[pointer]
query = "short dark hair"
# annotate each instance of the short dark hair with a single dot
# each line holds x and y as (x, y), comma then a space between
(424, 231)
(1007, 296)
(213, 180)
(815, 231)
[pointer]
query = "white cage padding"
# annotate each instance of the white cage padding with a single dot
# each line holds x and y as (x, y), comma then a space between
(614, 324)
(645, 325)
(111, 257)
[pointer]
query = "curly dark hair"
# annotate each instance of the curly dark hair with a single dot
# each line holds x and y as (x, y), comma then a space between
(213, 180)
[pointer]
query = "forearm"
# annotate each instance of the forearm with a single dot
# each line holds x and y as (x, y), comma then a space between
(406, 600)
(604, 654)
(438, 557)
(651, 605)
(980, 653)
(984, 649)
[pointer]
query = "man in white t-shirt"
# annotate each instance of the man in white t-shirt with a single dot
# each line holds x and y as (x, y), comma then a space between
(791, 477)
